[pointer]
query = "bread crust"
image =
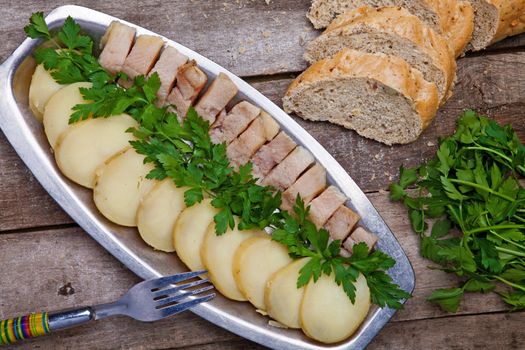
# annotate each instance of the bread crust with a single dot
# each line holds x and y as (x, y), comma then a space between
(399, 21)
(456, 19)
(391, 71)
(511, 18)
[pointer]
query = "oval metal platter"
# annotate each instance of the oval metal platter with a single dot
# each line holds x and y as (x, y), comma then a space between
(26, 135)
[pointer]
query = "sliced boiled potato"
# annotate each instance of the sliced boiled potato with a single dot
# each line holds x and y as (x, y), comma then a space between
(86, 145)
(42, 87)
(327, 314)
(282, 297)
(158, 213)
(189, 231)
(256, 260)
(59, 108)
(217, 256)
(120, 186)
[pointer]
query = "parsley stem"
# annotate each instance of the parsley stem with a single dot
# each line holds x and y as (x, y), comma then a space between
(472, 184)
(510, 251)
(508, 240)
(481, 148)
(495, 227)
(513, 285)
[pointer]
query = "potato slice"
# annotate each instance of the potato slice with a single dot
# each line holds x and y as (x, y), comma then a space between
(188, 234)
(327, 314)
(217, 256)
(86, 145)
(256, 260)
(120, 186)
(58, 110)
(42, 87)
(158, 213)
(282, 297)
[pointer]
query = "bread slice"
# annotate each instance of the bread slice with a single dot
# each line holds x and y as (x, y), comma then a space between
(495, 20)
(379, 96)
(393, 31)
(452, 18)
(322, 12)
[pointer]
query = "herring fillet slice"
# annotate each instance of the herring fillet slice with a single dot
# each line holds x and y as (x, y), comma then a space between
(228, 126)
(309, 185)
(141, 59)
(341, 223)
(78, 157)
(169, 62)
(190, 81)
(216, 97)
(116, 44)
(324, 205)
(286, 172)
(59, 108)
(120, 186)
(158, 212)
(271, 154)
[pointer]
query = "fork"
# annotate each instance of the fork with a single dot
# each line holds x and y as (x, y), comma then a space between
(147, 301)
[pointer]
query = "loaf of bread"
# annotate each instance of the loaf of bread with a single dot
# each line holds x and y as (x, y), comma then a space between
(452, 18)
(380, 96)
(393, 31)
(495, 20)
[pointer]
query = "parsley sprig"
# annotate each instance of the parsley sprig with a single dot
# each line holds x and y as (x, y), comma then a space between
(70, 59)
(183, 152)
(471, 185)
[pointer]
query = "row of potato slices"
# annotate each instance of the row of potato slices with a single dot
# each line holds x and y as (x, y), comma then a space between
(243, 265)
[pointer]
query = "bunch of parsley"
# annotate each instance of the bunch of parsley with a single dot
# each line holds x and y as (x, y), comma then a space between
(471, 191)
(184, 153)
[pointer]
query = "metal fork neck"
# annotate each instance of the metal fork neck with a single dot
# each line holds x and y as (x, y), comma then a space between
(70, 318)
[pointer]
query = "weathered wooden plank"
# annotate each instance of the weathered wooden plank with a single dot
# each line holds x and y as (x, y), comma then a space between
(246, 36)
(493, 84)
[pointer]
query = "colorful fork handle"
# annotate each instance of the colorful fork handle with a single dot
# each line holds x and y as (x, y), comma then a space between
(34, 325)
(23, 327)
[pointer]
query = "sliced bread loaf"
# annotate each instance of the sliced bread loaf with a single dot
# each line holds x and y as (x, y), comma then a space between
(452, 18)
(393, 31)
(379, 96)
(495, 20)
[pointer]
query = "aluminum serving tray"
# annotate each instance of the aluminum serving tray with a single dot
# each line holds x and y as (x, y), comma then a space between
(26, 135)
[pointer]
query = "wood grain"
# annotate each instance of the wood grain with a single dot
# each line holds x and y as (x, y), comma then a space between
(248, 37)
(492, 84)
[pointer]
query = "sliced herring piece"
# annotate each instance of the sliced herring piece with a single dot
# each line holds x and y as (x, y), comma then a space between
(322, 207)
(141, 58)
(220, 92)
(116, 43)
(228, 126)
(286, 172)
(262, 129)
(169, 62)
(271, 154)
(341, 223)
(190, 81)
(309, 185)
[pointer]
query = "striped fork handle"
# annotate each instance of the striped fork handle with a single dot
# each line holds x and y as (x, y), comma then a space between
(23, 327)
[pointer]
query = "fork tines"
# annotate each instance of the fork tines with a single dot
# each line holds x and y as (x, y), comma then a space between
(172, 297)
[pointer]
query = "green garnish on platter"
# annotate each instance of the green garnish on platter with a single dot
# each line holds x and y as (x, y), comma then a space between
(183, 151)
(472, 192)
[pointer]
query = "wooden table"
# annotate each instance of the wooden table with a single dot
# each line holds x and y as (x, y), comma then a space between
(49, 263)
